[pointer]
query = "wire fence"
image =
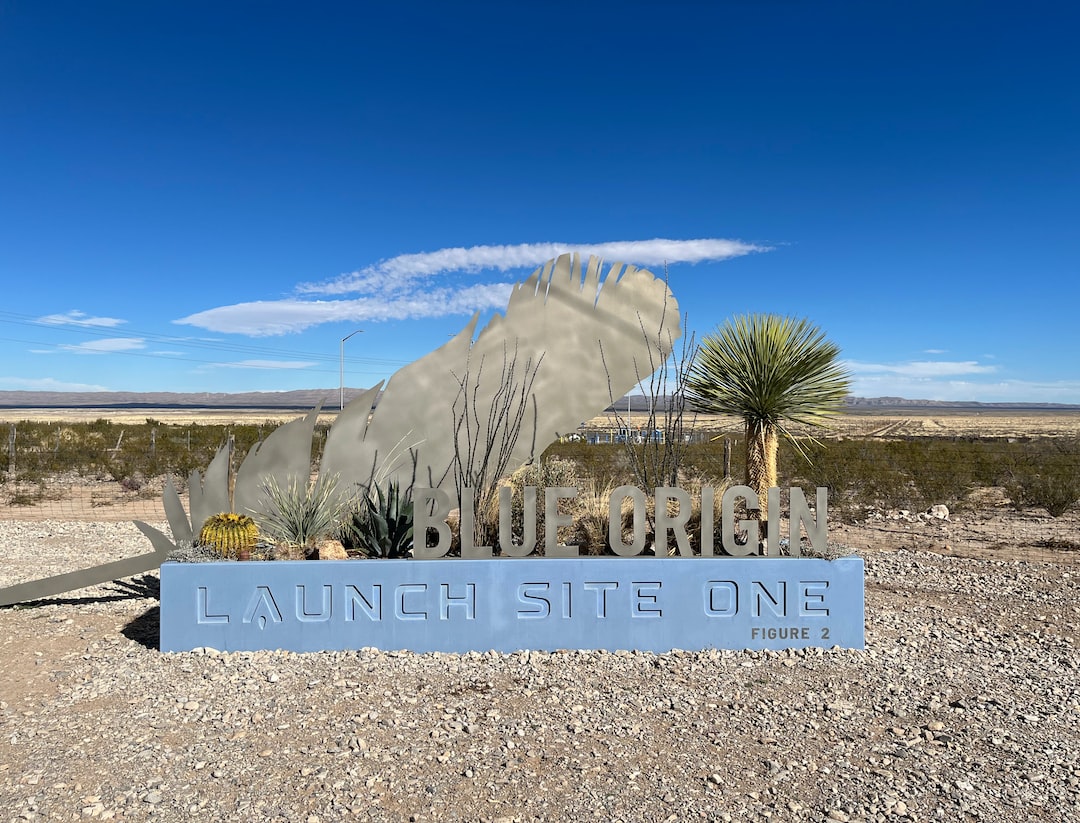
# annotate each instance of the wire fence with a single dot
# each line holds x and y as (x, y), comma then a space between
(102, 470)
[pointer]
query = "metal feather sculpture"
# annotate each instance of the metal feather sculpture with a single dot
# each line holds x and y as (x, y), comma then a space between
(572, 340)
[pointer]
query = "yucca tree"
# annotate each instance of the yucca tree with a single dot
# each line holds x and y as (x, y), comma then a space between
(770, 371)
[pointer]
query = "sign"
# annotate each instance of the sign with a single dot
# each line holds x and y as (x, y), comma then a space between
(506, 605)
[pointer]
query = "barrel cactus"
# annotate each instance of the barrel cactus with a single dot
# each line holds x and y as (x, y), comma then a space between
(230, 534)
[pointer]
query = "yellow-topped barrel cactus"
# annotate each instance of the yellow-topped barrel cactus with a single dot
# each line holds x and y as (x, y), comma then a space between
(230, 534)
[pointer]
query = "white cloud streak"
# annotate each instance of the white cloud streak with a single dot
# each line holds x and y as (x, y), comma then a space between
(79, 318)
(920, 368)
(399, 288)
(991, 391)
(954, 380)
(269, 317)
(273, 365)
(107, 345)
(397, 270)
(45, 384)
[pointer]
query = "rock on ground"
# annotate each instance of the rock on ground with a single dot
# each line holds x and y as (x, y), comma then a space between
(964, 706)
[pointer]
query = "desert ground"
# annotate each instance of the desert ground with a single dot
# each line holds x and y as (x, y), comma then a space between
(916, 421)
(965, 705)
(991, 530)
(909, 423)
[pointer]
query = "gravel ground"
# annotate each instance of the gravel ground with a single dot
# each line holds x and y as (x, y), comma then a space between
(964, 706)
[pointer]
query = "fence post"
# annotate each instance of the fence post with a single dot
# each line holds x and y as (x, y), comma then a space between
(727, 457)
(153, 441)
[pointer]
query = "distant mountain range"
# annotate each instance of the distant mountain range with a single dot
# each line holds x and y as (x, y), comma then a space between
(301, 399)
(306, 399)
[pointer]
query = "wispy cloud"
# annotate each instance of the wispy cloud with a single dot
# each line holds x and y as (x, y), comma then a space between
(79, 318)
(45, 384)
(958, 380)
(400, 288)
(274, 365)
(107, 345)
(392, 273)
(928, 380)
(962, 390)
(920, 368)
(269, 317)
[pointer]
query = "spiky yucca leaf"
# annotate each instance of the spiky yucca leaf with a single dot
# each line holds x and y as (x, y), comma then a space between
(769, 369)
(298, 513)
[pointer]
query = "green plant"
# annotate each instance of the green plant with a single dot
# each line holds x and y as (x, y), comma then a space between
(592, 516)
(299, 515)
(1044, 475)
(487, 428)
(543, 474)
(382, 524)
(229, 533)
(769, 371)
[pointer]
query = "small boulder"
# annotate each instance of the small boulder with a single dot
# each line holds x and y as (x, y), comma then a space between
(940, 512)
(332, 550)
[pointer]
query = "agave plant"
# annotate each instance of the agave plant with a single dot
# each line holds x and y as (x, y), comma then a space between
(382, 525)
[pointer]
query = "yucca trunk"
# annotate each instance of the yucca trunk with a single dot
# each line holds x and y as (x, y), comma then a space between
(762, 442)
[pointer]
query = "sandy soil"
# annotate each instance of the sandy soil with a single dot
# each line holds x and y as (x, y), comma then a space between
(993, 423)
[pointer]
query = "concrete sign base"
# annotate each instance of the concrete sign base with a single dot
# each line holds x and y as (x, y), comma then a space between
(506, 605)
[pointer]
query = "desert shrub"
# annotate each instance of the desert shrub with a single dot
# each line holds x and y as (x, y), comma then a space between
(858, 473)
(941, 472)
(24, 492)
(591, 516)
(544, 473)
(1043, 474)
(604, 462)
(912, 473)
(128, 453)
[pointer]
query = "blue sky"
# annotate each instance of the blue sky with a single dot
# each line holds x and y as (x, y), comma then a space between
(210, 196)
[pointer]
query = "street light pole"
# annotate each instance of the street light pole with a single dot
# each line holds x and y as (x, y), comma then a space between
(343, 339)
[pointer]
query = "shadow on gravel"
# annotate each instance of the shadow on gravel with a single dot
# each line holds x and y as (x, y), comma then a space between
(145, 629)
(146, 586)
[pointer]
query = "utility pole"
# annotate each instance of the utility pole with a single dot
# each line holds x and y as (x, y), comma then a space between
(343, 339)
